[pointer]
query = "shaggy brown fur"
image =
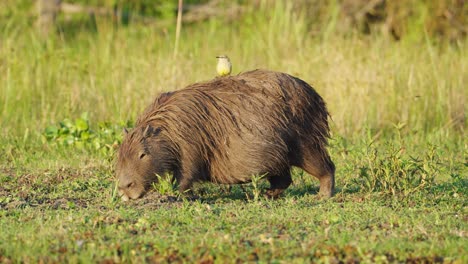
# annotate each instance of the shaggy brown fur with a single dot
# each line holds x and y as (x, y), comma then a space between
(228, 129)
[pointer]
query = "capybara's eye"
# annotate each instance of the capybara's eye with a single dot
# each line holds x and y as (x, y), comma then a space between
(130, 184)
(142, 155)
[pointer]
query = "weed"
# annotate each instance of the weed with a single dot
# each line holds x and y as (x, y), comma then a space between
(79, 134)
(166, 185)
(114, 193)
(392, 172)
(256, 188)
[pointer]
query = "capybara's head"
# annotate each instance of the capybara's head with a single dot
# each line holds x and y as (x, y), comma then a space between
(139, 161)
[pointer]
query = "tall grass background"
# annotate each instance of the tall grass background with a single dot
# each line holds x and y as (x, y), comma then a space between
(112, 72)
(398, 111)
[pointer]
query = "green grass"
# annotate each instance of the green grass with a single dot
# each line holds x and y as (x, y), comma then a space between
(398, 142)
(56, 209)
(295, 229)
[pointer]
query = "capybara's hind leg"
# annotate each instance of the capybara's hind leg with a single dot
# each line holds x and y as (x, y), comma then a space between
(323, 168)
(278, 183)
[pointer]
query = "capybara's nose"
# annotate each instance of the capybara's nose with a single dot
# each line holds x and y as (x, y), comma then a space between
(123, 184)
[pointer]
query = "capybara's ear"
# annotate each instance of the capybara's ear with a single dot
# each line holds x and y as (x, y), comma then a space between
(151, 131)
(163, 97)
(125, 131)
(147, 131)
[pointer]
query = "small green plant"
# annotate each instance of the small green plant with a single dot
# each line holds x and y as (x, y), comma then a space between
(114, 193)
(166, 185)
(78, 133)
(256, 189)
(394, 173)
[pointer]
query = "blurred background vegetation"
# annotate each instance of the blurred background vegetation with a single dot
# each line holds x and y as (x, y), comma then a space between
(445, 18)
(378, 64)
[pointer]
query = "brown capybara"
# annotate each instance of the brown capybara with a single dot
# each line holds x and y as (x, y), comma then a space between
(226, 130)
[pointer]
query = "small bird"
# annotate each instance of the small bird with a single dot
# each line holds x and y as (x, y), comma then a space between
(224, 65)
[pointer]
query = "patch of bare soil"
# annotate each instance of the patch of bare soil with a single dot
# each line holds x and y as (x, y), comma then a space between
(154, 200)
(56, 176)
(21, 189)
(54, 204)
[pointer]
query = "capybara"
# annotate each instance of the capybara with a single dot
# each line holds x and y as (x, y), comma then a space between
(226, 130)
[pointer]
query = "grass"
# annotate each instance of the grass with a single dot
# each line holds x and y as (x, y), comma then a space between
(61, 211)
(297, 230)
(398, 142)
(417, 82)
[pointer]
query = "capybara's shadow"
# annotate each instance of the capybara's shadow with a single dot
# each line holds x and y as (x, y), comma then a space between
(246, 192)
(211, 194)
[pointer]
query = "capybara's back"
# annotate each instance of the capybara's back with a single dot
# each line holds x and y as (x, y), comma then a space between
(228, 129)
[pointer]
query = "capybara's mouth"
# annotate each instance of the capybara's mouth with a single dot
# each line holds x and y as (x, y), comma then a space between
(126, 197)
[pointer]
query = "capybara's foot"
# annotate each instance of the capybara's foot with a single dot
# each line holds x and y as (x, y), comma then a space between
(327, 187)
(273, 193)
(325, 194)
(278, 184)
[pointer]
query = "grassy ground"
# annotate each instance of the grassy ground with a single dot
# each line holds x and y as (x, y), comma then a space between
(398, 142)
(67, 211)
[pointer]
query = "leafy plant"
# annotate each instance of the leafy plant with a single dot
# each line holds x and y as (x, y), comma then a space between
(256, 189)
(392, 172)
(78, 133)
(166, 185)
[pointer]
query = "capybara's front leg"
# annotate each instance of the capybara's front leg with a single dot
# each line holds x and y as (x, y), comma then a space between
(278, 184)
(184, 182)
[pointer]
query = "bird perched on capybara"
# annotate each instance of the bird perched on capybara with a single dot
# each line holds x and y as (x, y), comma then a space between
(226, 130)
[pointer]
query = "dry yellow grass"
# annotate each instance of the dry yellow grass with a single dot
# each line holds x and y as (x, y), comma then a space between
(367, 81)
